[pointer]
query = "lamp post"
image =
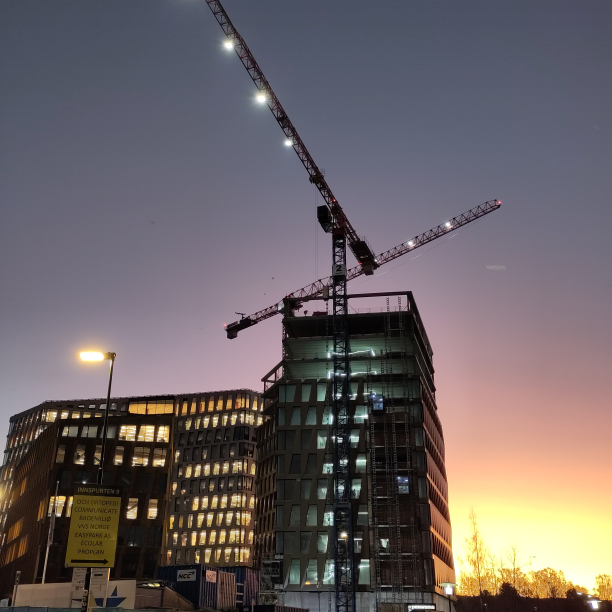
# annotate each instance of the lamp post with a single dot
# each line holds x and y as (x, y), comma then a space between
(449, 590)
(94, 356)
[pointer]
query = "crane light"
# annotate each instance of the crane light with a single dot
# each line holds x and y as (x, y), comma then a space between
(410, 243)
(288, 142)
(261, 98)
(228, 44)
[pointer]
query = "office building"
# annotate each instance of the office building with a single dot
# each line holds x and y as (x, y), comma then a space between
(402, 534)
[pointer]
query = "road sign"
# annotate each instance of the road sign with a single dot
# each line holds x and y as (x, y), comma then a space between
(92, 539)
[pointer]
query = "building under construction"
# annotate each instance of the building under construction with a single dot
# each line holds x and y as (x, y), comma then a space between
(401, 524)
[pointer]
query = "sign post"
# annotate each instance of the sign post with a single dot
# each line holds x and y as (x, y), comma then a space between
(92, 539)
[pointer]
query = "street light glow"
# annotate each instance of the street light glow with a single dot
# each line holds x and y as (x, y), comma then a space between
(92, 356)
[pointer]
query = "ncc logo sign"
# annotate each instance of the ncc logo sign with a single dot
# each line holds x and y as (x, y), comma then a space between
(186, 575)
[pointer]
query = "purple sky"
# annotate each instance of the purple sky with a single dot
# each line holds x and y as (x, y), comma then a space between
(145, 197)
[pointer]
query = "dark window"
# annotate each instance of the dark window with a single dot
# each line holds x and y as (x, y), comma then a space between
(296, 464)
(196, 454)
(290, 542)
(149, 564)
(177, 504)
(203, 485)
(125, 481)
(83, 476)
(290, 439)
(241, 433)
(311, 464)
(249, 449)
(200, 437)
(223, 451)
(218, 435)
(187, 454)
(108, 478)
(162, 483)
(122, 534)
(193, 486)
(227, 437)
(142, 485)
(232, 450)
(221, 484)
(305, 435)
(214, 452)
(191, 439)
(209, 436)
(136, 536)
(155, 536)
(65, 480)
(182, 439)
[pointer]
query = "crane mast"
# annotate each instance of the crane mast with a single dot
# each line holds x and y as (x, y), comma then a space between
(333, 220)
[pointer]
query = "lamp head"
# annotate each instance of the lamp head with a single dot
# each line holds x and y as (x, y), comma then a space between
(96, 356)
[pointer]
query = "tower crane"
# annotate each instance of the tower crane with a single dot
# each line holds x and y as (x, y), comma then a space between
(333, 220)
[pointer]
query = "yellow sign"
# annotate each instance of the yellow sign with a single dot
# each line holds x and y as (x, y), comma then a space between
(92, 539)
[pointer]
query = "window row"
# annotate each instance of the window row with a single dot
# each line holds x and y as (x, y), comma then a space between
(238, 466)
(286, 438)
(236, 500)
(310, 467)
(233, 418)
(195, 538)
(292, 516)
(222, 451)
(243, 400)
(129, 433)
(219, 555)
(141, 455)
(309, 575)
(293, 542)
(217, 518)
(292, 489)
(295, 416)
(50, 416)
(57, 505)
(240, 483)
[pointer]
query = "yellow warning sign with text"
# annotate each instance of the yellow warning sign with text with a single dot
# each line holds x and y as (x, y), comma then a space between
(92, 539)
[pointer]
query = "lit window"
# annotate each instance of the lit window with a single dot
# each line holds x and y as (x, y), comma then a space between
(71, 431)
(61, 453)
(237, 466)
(322, 538)
(327, 416)
(224, 419)
(188, 471)
(98, 454)
(216, 468)
(194, 538)
(355, 488)
(226, 466)
(219, 519)
(212, 538)
(328, 464)
(360, 463)
(354, 438)
(175, 538)
(361, 414)
(233, 419)
(362, 515)
(311, 572)
(89, 431)
(259, 422)
(159, 457)
(207, 553)
(64, 414)
(188, 424)
(228, 555)
(184, 539)
(228, 518)
(328, 516)
(209, 519)
(204, 503)
(294, 572)
(202, 537)
(206, 469)
(215, 420)
(50, 416)
(253, 467)
(222, 536)
(200, 520)
(223, 501)
(252, 502)
(152, 509)
(141, 455)
(57, 503)
(311, 517)
(197, 471)
(132, 508)
(127, 433)
(79, 454)
(235, 501)
(328, 575)
(163, 433)
(171, 522)
(69, 507)
(118, 460)
(215, 501)
(205, 422)
(364, 571)
(76, 415)
(195, 504)
(146, 433)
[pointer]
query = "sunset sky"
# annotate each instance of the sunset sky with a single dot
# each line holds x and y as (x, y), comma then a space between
(146, 197)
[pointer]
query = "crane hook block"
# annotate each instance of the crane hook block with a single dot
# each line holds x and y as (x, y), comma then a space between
(324, 217)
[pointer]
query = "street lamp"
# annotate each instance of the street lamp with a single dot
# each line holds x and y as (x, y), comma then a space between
(95, 356)
(449, 590)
